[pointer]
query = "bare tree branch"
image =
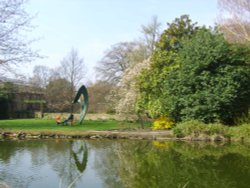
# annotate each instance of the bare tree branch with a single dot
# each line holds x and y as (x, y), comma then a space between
(14, 22)
(234, 20)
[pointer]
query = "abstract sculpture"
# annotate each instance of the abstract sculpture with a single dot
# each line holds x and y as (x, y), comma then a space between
(82, 97)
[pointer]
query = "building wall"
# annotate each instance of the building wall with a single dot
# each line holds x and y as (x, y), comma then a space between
(17, 97)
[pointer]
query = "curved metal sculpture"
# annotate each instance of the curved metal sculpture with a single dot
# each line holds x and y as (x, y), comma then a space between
(84, 101)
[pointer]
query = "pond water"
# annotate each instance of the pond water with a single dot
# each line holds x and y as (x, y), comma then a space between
(122, 163)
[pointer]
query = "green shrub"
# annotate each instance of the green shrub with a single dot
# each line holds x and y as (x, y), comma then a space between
(196, 128)
(241, 132)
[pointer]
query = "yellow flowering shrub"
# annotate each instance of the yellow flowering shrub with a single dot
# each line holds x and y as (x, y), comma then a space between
(162, 123)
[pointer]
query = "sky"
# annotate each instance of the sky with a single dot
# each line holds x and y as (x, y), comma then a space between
(93, 26)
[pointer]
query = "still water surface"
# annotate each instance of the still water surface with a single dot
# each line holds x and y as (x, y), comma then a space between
(123, 163)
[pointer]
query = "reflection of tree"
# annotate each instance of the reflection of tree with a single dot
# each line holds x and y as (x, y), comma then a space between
(10, 154)
(124, 163)
(67, 158)
(142, 164)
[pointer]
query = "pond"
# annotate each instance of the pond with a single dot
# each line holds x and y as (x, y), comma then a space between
(122, 163)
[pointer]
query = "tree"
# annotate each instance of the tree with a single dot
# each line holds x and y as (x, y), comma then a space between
(234, 20)
(58, 95)
(151, 33)
(41, 76)
(115, 61)
(98, 97)
(212, 83)
(14, 21)
(128, 93)
(126, 54)
(164, 59)
(73, 69)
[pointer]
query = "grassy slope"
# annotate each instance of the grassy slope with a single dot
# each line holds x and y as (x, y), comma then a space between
(37, 125)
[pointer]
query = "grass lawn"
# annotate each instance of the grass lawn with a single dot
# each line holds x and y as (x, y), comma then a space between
(50, 126)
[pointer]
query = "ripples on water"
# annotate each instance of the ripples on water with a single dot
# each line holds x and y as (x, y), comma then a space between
(122, 163)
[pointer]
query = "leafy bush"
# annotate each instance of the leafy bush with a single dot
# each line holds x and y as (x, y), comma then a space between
(196, 74)
(212, 83)
(196, 128)
(241, 132)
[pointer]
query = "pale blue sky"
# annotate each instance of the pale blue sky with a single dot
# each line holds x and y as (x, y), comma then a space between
(92, 26)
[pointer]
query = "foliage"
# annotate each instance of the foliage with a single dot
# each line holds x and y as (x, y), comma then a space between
(212, 83)
(98, 93)
(164, 59)
(196, 74)
(162, 123)
(58, 95)
(196, 128)
(240, 133)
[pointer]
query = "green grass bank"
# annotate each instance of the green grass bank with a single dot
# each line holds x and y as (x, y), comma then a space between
(43, 128)
(195, 130)
(50, 125)
(189, 130)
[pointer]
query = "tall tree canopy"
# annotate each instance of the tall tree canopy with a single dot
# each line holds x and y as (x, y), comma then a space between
(209, 82)
(163, 60)
(212, 83)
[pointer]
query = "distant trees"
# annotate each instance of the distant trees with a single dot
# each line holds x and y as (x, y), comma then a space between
(14, 47)
(62, 80)
(115, 61)
(98, 97)
(234, 20)
(58, 95)
(123, 55)
(41, 76)
(151, 33)
(123, 63)
(73, 69)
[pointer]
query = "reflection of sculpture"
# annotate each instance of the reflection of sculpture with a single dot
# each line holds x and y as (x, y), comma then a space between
(80, 156)
(84, 103)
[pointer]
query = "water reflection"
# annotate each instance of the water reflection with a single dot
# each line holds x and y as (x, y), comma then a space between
(39, 163)
(173, 164)
(120, 163)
